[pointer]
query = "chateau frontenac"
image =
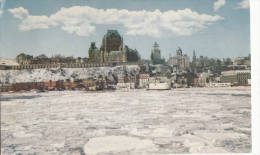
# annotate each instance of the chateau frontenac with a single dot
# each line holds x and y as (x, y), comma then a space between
(111, 50)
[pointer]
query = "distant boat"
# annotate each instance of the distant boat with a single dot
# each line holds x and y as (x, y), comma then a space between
(157, 84)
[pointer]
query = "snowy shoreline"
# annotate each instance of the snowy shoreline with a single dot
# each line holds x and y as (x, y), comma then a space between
(55, 74)
(131, 90)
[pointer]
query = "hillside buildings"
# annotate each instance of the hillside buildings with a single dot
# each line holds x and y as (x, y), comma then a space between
(24, 59)
(111, 50)
(242, 61)
(200, 71)
(143, 80)
(179, 62)
(127, 81)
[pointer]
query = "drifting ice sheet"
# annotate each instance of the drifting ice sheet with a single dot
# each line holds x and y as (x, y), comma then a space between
(195, 120)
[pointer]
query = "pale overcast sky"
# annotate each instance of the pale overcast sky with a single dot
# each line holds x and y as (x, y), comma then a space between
(213, 28)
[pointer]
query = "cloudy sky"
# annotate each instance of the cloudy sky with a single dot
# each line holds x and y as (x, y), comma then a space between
(213, 28)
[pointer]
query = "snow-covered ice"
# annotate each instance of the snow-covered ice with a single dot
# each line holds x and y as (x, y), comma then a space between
(193, 120)
(116, 144)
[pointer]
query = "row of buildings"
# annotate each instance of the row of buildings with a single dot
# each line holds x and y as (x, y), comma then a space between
(226, 78)
(182, 62)
(179, 69)
(140, 79)
(201, 71)
(111, 50)
(68, 84)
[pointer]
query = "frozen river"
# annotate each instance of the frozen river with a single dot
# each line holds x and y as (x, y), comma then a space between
(194, 120)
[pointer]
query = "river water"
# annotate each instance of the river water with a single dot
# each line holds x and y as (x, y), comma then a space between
(188, 120)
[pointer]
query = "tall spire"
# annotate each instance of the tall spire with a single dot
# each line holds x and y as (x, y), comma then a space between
(194, 57)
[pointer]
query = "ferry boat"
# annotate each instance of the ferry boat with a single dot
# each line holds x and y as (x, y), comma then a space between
(158, 84)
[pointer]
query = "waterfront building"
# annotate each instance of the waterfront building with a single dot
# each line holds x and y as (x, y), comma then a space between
(125, 82)
(143, 80)
(159, 83)
(236, 77)
(205, 78)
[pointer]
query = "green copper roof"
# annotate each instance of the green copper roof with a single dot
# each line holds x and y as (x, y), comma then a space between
(112, 34)
(155, 44)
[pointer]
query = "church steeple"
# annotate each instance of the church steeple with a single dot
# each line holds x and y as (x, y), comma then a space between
(194, 57)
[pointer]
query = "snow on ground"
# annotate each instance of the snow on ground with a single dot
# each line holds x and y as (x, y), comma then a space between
(188, 120)
(9, 62)
(54, 74)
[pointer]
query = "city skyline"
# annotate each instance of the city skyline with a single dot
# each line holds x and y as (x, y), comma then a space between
(215, 29)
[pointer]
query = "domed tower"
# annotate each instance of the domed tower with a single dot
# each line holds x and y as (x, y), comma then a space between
(155, 53)
(179, 52)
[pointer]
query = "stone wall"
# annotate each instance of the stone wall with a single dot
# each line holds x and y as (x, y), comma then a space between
(74, 65)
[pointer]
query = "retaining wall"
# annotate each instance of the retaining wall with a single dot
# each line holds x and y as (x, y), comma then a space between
(75, 65)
